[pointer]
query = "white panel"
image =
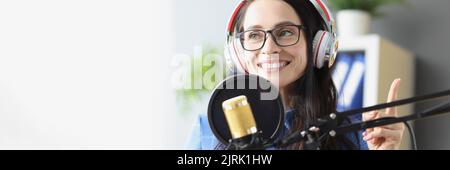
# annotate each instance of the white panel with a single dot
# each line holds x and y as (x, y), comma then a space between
(85, 74)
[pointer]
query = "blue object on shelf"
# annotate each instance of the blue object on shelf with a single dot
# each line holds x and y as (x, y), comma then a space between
(349, 80)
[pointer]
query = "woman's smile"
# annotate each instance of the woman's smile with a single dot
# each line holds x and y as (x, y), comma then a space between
(270, 66)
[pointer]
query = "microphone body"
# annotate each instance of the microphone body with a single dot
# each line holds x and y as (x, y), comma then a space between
(242, 125)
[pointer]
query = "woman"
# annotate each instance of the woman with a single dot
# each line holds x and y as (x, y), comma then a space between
(279, 40)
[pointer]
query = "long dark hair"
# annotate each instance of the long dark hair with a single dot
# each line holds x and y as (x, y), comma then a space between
(314, 93)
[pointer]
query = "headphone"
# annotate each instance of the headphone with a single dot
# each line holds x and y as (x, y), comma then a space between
(325, 43)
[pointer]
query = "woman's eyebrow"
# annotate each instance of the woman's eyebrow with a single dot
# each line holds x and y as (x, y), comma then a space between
(276, 25)
(284, 23)
(254, 27)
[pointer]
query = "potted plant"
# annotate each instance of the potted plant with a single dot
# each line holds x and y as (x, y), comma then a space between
(354, 16)
(193, 99)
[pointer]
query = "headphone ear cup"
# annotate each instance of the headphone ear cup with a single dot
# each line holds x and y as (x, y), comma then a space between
(232, 60)
(322, 42)
(231, 67)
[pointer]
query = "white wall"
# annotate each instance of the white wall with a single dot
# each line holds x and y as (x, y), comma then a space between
(421, 28)
(201, 22)
(86, 74)
(198, 23)
(95, 74)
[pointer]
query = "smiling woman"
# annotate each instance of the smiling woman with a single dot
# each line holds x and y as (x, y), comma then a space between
(268, 60)
(292, 44)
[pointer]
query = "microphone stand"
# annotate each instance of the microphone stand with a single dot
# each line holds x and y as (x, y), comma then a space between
(329, 125)
(250, 142)
(438, 110)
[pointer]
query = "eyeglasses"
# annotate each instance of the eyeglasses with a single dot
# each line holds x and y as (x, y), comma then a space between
(284, 36)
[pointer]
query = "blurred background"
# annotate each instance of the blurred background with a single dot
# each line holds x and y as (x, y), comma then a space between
(98, 74)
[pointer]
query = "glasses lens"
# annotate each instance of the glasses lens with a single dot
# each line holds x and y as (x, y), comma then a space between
(253, 39)
(287, 35)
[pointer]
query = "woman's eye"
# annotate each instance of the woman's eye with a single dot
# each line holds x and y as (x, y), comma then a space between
(285, 33)
(254, 36)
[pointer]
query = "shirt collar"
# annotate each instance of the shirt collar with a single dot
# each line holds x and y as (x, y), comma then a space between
(289, 118)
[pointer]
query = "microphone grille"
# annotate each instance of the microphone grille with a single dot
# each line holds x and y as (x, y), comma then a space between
(239, 117)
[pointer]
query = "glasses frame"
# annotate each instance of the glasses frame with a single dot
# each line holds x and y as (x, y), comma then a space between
(300, 28)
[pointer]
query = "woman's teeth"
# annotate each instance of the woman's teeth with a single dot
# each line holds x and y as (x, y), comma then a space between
(273, 66)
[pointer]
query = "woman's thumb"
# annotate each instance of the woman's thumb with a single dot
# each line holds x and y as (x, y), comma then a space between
(370, 115)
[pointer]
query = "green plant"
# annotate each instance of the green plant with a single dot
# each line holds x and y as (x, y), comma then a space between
(371, 6)
(187, 97)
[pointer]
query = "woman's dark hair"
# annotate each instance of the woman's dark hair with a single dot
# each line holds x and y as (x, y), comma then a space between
(314, 93)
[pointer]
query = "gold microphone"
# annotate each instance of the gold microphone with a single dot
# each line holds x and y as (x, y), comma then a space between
(239, 117)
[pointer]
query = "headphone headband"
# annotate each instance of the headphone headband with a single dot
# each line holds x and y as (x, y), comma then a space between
(232, 20)
(325, 13)
(319, 5)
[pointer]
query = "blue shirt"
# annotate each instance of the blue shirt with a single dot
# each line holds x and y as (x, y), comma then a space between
(202, 137)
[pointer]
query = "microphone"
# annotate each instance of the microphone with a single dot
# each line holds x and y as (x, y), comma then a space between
(242, 124)
(239, 116)
(242, 116)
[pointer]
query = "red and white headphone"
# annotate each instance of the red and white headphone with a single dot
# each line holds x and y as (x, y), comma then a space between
(325, 43)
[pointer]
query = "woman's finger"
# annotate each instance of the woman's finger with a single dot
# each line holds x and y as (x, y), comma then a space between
(397, 126)
(393, 92)
(383, 133)
(369, 116)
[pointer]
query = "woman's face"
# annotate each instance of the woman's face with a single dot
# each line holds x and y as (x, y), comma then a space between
(281, 65)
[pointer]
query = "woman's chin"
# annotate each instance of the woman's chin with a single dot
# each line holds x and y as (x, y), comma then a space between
(278, 78)
(275, 79)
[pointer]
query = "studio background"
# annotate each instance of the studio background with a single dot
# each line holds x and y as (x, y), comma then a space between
(96, 74)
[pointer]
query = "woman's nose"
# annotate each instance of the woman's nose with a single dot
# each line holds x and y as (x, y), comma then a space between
(270, 47)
